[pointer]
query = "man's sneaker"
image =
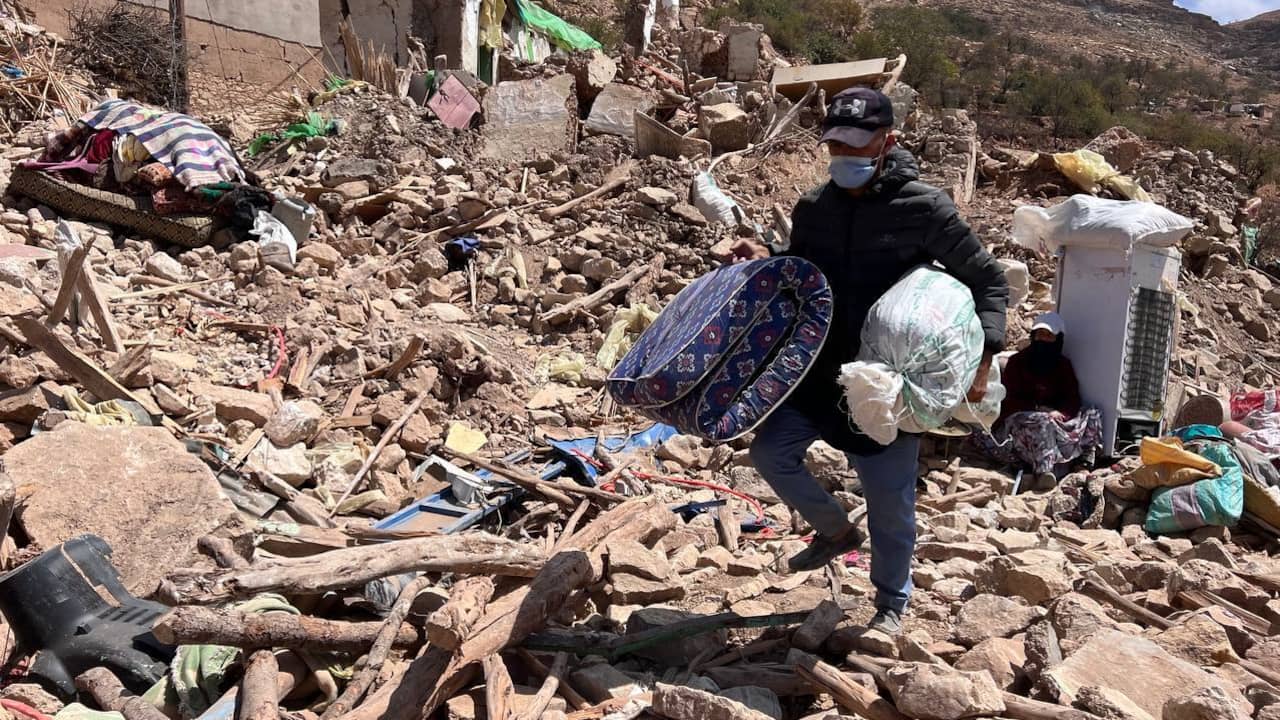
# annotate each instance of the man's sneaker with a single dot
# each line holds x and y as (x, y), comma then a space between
(823, 549)
(887, 621)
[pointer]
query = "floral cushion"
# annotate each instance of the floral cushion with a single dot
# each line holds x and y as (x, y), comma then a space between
(728, 349)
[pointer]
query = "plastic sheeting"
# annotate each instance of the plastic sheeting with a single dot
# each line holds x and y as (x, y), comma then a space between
(1091, 172)
(562, 34)
(1087, 221)
(921, 347)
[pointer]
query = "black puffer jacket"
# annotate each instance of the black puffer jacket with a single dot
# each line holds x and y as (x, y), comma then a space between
(864, 245)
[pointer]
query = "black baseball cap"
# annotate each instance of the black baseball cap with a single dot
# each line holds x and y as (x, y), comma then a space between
(855, 116)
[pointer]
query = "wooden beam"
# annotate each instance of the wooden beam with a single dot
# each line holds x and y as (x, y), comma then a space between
(102, 318)
(530, 482)
(193, 625)
(847, 693)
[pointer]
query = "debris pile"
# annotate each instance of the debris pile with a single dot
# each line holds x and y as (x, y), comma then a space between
(382, 478)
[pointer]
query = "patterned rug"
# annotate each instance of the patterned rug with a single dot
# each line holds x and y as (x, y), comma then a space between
(728, 349)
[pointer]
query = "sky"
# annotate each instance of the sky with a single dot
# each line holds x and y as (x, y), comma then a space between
(1225, 11)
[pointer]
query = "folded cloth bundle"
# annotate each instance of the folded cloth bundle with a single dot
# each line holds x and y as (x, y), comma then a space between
(728, 349)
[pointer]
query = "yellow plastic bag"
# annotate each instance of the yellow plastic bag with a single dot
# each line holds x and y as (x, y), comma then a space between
(1166, 463)
(566, 367)
(102, 414)
(628, 323)
(1091, 172)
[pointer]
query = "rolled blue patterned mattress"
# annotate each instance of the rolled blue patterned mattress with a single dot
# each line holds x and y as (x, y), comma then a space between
(728, 349)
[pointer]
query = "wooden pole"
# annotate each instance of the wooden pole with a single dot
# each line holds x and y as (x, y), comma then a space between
(530, 482)
(70, 280)
(109, 694)
(468, 553)
(498, 688)
(566, 311)
(193, 625)
(258, 700)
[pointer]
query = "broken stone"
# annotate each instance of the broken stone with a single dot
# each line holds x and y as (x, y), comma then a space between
(600, 269)
(685, 703)
(166, 267)
(231, 404)
(629, 556)
(593, 71)
(288, 463)
(18, 372)
(715, 557)
(33, 696)
(941, 551)
(752, 588)
(297, 421)
(1001, 658)
(634, 590)
(326, 256)
(1198, 639)
(1211, 703)
(1013, 541)
(1120, 146)
(601, 682)
(614, 110)
(818, 626)
(525, 118)
(991, 616)
(136, 487)
(936, 692)
(1108, 704)
(657, 197)
(1076, 618)
(727, 126)
(1039, 583)
(1134, 666)
(26, 405)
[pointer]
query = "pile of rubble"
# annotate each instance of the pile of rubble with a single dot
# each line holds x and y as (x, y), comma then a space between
(402, 436)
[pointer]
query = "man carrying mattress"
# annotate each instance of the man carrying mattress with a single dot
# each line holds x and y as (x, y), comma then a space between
(865, 228)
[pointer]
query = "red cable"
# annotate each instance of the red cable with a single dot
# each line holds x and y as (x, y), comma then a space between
(24, 709)
(282, 356)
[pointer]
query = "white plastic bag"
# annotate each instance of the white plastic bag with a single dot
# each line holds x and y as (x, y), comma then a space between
(921, 347)
(276, 244)
(1095, 222)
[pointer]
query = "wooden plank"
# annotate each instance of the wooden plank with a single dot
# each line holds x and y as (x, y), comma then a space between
(85, 371)
(406, 358)
(70, 280)
(91, 296)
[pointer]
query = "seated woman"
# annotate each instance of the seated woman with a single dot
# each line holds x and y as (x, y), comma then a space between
(1042, 424)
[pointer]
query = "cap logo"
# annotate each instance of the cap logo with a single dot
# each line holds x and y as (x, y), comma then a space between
(852, 108)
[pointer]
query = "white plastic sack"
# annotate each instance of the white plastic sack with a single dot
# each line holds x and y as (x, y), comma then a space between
(1095, 222)
(276, 244)
(711, 201)
(921, 347)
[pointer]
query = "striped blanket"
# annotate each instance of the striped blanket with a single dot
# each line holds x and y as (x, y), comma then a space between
(190, 149)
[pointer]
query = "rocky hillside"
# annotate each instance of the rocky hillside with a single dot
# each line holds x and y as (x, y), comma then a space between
(1257, 41)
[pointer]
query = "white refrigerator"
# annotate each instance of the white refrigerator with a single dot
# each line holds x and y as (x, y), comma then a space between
(1120, 308)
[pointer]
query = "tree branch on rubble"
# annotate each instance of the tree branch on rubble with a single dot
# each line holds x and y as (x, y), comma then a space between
(565, 312)
(469, 553)
(537, 706)
(372, 663)
(449, 626)
(258, 698)
(438, 675)
(107, 691)
(194, 625)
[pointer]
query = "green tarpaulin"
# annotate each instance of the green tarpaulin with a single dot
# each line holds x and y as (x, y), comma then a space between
(563, 35)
